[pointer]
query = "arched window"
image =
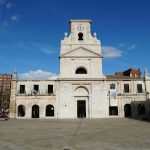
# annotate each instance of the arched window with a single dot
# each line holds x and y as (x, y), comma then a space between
(21, 111)
(141, 109)
(35, 111)
(80, 36)
(50, 110)
(81, 70)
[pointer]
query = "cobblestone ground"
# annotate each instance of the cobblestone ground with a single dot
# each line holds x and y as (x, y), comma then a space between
(78, 134)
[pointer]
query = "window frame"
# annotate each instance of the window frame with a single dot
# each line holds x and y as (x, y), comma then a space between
(139, 88)
(50, 90)
(22, 91)
(112, 86)
(127, 89)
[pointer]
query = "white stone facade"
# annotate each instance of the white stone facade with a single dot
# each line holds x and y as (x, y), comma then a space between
(81, 90)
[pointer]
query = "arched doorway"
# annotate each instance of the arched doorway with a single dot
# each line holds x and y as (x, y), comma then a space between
(21, 111)
(50, 111)
(127, 110)
(35, 111)
(141, 109)
(81, 93)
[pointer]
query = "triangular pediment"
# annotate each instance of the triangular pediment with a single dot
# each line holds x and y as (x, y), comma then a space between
(80, 52)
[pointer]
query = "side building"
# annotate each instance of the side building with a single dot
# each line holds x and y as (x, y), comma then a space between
(127, 94)
(81, 90)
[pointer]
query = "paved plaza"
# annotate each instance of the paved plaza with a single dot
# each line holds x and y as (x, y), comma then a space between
(77, 134)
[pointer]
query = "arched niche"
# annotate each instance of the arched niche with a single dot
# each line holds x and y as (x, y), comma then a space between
(81, 91)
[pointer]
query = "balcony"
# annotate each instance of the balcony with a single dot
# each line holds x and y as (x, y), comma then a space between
(131, 93)
(141, 91)
(127, 92)
(35, 93)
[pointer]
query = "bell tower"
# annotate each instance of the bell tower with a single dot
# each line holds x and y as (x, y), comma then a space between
(82, 82)
(80, 54)
(80, 30)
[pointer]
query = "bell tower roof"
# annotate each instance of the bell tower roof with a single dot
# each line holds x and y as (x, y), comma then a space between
(80, 20)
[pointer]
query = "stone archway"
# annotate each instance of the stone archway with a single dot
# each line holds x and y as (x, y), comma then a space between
(49, 111)
(35, 111)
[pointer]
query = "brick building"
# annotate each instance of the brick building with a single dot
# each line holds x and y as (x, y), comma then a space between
(5, 88)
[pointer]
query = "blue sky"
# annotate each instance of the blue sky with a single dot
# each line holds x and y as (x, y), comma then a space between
(31, 31)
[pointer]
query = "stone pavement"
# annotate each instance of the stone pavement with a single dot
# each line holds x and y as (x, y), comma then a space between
(77, 134)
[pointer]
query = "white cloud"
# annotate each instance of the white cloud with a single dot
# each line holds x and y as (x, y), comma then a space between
(47, 51)
(111, 52)
(15, 18)
(8, 5)
(122, 44)
(2, 2)
(37, 75)
(127, 46)
(131, 47)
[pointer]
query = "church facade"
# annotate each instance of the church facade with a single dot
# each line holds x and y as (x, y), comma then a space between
(81, 90)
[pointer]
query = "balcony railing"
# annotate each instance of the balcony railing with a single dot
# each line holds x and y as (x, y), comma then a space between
(34, 93)
(127, 91)
(140, 91)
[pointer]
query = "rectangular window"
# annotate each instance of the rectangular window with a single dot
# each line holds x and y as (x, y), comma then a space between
(126, 88)
(112, 86)
(36, 88)
(50, 89)
(22, 89)
(139, 88)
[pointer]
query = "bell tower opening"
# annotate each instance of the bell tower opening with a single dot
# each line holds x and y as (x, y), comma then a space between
(80, 36)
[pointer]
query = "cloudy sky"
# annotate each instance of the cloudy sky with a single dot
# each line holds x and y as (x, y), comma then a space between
(31, 30)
